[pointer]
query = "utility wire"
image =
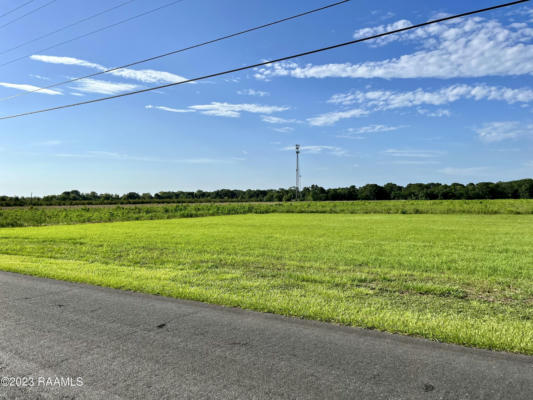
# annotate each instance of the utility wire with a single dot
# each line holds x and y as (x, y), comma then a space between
(179, 51)
(66, 27)
(264, 63)
(16, 8)
(95, 31)
(28, 13)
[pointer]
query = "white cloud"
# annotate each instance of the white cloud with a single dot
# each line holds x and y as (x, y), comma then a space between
(284, 129)
(332, 150)
(234, 110)
(382, 15)
(148, 76)
(355, 133)
(415, 162)
(169, 109)
(386, 100)
(29, 88)
(126, 157)
(208, 160)
(498, 131)
(380, 100)
(67, 61)
(101, 154)
(277, 120)
(471, 171)
(143, 75)
(102, 87)
(223, 109)
(471, 47)
(374, 129)
(441, 112)
(253, 92)
(365, 32)
(413, 153)
(43, 78)
(333, 117)
(49, 143)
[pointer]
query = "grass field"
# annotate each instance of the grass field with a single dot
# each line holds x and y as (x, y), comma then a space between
(465, 279)
(13, 217)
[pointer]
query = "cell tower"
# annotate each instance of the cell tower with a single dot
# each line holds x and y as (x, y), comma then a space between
(298, 176)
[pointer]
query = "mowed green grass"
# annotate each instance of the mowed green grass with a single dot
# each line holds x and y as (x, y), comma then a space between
(465, 279)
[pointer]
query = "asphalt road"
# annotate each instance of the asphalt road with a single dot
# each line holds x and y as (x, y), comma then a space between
(124, 345)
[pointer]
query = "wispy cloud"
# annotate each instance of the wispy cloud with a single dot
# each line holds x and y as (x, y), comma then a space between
(472, 47)
(441, 112)
(253, 92)
(43, 78)
(469, 171)
(498, 131)
(143, 75)
(107, 155)
(29, 88)
(333, 117)
(209, 160)
(351, 132)
(332, 150)
(235, 110)
(102, 87)
(49, 143)
(386, 100)
(376, 30)
(284, 129)
(414, 162)
(223, 109)
(66, 61)
(381, 100)
(169, 109)
(277, 120)
(408, 153)
(382, 15)
(149, 76)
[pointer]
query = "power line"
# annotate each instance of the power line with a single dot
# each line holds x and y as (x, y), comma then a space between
(16, 8)
(180, 50)
(27, 14)
(264, 63)
(95, 31)
(66, 27)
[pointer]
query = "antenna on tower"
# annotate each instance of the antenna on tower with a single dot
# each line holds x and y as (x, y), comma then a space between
(298, 176)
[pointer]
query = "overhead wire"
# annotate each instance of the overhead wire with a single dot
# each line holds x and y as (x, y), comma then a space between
(265, 63)
(16, 8)
(27, 14)
(180, 50)
(94, 32)
(66, 27)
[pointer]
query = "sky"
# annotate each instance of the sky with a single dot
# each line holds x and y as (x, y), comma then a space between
(447, 103)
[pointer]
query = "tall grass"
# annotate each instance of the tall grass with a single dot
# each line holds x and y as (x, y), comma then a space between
(74, 215)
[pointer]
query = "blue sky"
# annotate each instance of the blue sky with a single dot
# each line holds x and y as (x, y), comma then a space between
(447, 103)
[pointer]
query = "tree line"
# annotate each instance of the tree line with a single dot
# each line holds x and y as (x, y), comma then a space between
(519, 189)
